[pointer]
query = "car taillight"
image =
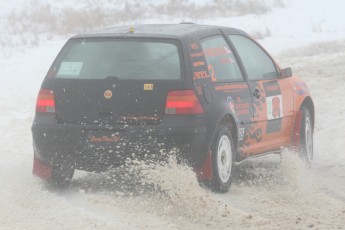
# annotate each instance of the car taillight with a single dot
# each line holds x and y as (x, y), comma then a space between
(45, 101)
(183, 102)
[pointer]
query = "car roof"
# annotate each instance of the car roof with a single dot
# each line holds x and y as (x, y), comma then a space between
(157, 30)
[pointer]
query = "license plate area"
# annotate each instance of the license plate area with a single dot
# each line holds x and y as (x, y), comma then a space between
(102, 139)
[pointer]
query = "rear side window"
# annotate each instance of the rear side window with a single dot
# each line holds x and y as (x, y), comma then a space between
(123, 59)
(257, 63)
(222, 64)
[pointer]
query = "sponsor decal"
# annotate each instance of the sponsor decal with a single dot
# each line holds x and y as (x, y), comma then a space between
(241, 132)
(200, 75)
(257, 135)
(227, 50)
(194, 46)
(215, 52)
(250, 136)
(259, 102)
(231, 104)
(274, 113)
(195, 55)
(211, 71)
(148, 86)
(301, 88)
(139, 118)
(274, 104)
(231, 87)
(108, 94)
(242, 108)
(104, 139)
(198, 63)
(271, 88)
(227, 60)
(198, 88)
(274, 107)
(70, 69)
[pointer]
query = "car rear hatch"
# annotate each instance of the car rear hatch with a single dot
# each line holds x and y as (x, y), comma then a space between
(112, 81)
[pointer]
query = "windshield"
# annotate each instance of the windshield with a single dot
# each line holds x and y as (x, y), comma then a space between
(122, 59)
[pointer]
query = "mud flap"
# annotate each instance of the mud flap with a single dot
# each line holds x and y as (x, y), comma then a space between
(205, 171)
(41, 169)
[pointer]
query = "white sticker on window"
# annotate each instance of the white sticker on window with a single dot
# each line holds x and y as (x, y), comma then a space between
(274, 107)
(70, 68)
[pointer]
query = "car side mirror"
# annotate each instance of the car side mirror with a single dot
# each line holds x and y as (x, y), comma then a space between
(285, 73)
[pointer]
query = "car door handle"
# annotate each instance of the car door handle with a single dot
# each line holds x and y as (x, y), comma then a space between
(257, 93)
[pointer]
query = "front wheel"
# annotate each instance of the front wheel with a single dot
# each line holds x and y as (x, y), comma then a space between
(222, 160)
(306, 137)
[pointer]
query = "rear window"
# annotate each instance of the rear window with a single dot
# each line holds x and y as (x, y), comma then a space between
(122, 59)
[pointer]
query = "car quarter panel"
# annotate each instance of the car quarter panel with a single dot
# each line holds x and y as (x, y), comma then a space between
(221, 97)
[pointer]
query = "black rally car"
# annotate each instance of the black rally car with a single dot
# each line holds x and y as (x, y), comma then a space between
(210, 92)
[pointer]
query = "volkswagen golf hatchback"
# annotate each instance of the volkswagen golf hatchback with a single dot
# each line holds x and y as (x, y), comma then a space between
(212, 93)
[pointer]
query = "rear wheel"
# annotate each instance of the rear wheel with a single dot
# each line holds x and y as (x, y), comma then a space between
(306, 137)
(222, 160)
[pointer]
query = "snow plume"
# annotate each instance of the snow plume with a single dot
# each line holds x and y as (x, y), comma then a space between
(168, 190)
(286, 171)
(177, 185)
(180, 195)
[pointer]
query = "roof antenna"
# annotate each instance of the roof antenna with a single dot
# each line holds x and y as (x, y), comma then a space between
(131, 30)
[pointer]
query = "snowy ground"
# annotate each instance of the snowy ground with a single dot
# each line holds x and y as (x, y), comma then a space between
(269, 193)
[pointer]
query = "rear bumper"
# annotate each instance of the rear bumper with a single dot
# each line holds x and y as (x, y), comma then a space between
(84, 147)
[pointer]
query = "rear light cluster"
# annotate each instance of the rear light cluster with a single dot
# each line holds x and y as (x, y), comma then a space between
(45, 101)
(183, 102)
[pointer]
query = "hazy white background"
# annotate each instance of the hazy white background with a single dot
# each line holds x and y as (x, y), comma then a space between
(267, 194)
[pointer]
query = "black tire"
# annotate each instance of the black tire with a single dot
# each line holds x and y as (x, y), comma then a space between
(223, 156)
(61, 176)
(306, 137)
